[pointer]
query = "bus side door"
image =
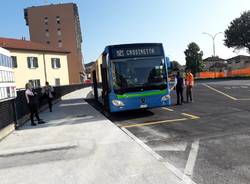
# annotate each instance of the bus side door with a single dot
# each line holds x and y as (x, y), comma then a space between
(105, 88)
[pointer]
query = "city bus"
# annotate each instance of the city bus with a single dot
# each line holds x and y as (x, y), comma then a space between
(131, 76)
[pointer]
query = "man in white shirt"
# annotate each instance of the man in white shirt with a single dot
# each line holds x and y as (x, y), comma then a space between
(32, 101)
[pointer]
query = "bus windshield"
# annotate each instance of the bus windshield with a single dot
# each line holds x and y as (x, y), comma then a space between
(130, 75)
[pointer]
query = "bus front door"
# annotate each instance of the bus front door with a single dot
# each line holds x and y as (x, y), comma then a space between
(105, 88)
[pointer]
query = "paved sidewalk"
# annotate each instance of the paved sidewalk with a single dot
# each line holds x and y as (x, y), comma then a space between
(77, 145)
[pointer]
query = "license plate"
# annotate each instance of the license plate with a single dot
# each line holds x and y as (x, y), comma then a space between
(144, 106)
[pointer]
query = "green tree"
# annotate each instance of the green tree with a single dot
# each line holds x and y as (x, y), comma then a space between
(175, 66)
(237, 35)
(194, 58)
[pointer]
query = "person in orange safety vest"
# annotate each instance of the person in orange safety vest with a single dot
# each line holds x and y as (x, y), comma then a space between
(189, 85)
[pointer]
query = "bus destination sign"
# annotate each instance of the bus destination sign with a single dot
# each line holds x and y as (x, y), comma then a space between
(136, 52)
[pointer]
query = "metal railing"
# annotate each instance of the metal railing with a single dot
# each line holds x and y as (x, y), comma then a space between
(17, 111)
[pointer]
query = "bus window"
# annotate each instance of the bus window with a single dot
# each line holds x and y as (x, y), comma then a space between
(140, 73)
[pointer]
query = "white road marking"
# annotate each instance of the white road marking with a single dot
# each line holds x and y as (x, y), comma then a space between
(192, 158)
(154, 133)
(243, 99)
(72, 104)
(244, 87)
(81, 118)
(219, 92)
(172, 147)
(235, 87)
(168, 109)
(142, 144)
(184, 178)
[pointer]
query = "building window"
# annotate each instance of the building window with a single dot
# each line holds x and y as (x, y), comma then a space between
(8, 92)
(6, 76)
(14, 61)
(57, 81)
(46, 20)
(3, 93)
(5, 61)
(55, 63)
(59, 32)
(1, 60)
(32, 62)
(35, 83)
(1, 76)
(59, 43)
(58, 20)
(47, 33)
(48, 42)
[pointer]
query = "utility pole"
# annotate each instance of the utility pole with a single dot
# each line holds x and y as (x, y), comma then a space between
(213, 37)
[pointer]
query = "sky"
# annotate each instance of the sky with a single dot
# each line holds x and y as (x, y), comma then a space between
(175, 23)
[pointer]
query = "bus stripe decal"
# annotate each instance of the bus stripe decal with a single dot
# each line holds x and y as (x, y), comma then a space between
(150, 93)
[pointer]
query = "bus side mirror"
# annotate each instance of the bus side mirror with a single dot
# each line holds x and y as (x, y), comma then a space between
(169, 63)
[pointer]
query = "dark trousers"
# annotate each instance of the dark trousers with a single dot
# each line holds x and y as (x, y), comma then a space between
(50, 104)
(33, 111)
(49, 100)
(179, 93)
(189, 93)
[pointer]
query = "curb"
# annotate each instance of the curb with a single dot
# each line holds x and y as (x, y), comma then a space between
(6, 131)
(184, 179)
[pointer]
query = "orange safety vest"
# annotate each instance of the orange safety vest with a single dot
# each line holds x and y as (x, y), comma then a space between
(189, 79)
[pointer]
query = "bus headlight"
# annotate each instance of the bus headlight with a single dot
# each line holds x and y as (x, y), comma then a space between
(165, 98)
(117, 103)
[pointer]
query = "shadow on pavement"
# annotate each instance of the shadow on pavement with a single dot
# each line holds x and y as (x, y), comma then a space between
(67, 112)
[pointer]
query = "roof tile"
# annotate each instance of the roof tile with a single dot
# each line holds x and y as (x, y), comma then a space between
(10, 43)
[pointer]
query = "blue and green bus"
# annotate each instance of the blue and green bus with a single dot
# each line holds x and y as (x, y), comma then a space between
(132, 76)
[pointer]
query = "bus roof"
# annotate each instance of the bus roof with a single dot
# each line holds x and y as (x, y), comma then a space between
(134, 45)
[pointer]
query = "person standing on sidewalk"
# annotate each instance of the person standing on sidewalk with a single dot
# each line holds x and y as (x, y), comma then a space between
(189, 85)
(179, 86)
(32, 101)
(47, 92)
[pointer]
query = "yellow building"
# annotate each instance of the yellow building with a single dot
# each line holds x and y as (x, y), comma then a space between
(37, 63)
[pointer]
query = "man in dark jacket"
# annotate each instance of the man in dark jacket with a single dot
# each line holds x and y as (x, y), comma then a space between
(32, 101)
(47, 92)
(179, 86)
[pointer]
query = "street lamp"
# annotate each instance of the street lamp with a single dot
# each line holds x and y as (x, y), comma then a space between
(213, 37)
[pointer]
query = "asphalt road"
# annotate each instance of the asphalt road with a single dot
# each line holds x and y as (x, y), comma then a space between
(207, 141)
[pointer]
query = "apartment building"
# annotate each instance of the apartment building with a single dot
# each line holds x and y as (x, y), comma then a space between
(212, 62)
(36, 63)
(58, 26)
(7, 79)
(238, 62)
